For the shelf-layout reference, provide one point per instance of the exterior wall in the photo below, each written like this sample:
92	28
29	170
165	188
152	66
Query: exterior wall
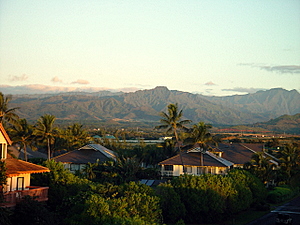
12	182
74	167
193	170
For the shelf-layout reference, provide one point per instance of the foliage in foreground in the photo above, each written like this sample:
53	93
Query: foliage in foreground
209	198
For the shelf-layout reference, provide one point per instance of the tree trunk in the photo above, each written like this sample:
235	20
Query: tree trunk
49	150
25	152
180	153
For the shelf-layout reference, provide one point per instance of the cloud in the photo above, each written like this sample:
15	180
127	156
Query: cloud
45	89
282	69
23	77
79	81
244	90
210	83
293	69
56	80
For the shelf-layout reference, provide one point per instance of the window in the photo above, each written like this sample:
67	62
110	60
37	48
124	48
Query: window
2	150
188	169
74	167
20	183
168	167
200	170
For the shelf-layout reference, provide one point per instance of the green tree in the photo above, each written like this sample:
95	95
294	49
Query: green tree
201	136
262	167
172	122
3	178
45	131
23	134
290	159
7	114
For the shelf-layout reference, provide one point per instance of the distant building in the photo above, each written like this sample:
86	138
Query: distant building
216	161
91	153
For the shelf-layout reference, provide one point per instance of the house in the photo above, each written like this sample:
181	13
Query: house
216	161
18	176
196	162
91	153
241	153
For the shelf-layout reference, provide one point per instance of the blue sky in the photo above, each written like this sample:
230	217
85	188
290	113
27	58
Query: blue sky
212	47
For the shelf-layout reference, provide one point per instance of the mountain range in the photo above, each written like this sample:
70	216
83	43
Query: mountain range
145	105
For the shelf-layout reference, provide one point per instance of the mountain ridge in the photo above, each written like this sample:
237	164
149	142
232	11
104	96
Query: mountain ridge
145	105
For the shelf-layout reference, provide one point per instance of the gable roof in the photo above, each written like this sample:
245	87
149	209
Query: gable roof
239	153
90	153
5	135
15	167
97	147
193	159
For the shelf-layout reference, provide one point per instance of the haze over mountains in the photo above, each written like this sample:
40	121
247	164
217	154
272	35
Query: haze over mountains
145	105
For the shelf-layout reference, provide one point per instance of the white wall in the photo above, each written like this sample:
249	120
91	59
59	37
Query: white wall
12	182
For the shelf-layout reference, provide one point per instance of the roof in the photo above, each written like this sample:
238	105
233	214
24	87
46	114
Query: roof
97	147
5	135
87	154
193	159
16	167
30	153
239	153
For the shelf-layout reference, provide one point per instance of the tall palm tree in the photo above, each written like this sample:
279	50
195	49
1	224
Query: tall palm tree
46	131
289	159
77	135
172	122
200	135
23	134
7	114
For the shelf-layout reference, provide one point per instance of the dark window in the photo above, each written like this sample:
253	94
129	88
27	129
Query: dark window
74	167
20	183
188	169
168	167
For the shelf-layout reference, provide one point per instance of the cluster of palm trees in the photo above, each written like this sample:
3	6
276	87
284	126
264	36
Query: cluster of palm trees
199	133
43	133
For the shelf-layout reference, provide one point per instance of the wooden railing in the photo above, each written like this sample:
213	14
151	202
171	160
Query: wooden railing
12	198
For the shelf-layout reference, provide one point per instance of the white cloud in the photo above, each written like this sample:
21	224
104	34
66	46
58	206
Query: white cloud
79	81
56	80
210	83
23	77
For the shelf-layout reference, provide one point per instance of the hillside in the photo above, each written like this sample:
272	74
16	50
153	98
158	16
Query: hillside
145	105
283	124
269	104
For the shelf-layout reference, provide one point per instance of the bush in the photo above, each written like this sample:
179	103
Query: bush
279	194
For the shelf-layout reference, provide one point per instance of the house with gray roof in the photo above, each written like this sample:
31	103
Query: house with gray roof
91	153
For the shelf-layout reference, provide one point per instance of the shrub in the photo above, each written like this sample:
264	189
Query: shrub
279	194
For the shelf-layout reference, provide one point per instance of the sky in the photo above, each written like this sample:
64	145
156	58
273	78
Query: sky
210	47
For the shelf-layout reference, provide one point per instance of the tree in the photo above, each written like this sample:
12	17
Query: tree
7	114
45	131
201	136
289	159
23	133
171	121
3	178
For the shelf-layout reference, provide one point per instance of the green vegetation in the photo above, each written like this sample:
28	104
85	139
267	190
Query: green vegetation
109	192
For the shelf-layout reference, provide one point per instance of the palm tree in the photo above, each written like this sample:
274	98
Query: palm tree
23	133
200	135
290	159
7	114
45	131
77	135
172	122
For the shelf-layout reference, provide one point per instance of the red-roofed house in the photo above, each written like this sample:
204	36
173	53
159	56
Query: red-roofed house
18	176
